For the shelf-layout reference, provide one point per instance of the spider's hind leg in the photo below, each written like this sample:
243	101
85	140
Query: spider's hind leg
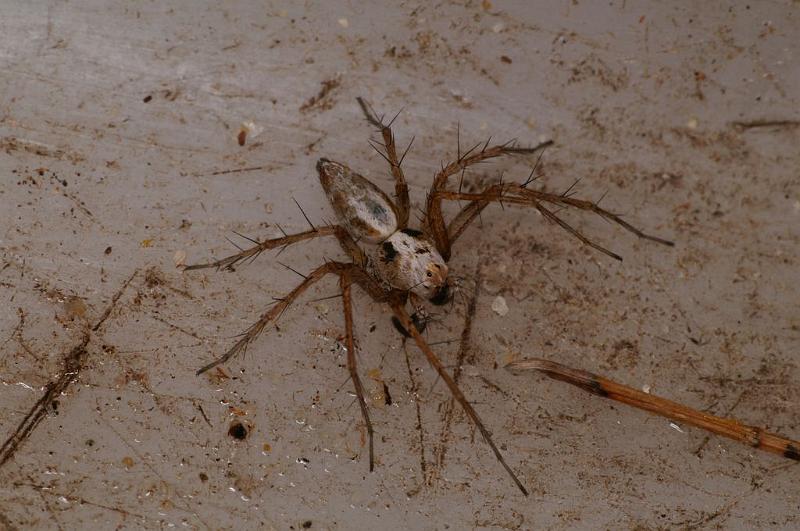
345	282
519	194
390	155
434	217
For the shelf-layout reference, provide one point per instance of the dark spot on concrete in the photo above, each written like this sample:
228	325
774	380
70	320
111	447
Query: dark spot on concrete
108	250
389	252
386	396
203	477
412	232
148	99
237	430
792	452
307	524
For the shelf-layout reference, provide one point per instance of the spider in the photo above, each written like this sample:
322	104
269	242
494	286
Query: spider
408	266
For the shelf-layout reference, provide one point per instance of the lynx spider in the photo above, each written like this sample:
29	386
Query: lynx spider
405	265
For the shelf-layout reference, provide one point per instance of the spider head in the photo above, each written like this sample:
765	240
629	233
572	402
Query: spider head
408	260
434	285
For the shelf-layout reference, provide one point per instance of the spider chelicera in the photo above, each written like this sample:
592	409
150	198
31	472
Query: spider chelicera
408	266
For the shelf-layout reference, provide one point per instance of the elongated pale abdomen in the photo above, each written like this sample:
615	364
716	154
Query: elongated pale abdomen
365	211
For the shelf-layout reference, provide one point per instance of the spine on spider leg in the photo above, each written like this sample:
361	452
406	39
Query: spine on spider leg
598	385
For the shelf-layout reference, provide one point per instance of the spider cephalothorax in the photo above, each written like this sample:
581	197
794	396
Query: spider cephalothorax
403	258
404	265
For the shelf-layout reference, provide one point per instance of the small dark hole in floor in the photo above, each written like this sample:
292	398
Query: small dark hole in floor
238	431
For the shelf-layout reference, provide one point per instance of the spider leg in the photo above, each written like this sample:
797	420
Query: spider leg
230	262
436	363
518	194
275	311
390	155
345	282
462	220
598	385
434	218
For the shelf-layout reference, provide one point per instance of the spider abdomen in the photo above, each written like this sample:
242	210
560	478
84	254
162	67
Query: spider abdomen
362	208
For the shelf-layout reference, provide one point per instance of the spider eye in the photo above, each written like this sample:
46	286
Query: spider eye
430	274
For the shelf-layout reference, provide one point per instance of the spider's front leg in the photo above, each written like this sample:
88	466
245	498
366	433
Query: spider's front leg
519	194
420	318
436	363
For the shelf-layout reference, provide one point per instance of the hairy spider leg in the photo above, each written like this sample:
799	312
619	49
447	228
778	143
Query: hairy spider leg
434	218
601	386
230	262
513	193
347	305
347	273
436	363
275	311
390	155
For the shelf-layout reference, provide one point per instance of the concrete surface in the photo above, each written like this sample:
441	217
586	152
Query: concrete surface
120	128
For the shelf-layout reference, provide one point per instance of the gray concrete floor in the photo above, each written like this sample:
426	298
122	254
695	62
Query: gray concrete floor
120	127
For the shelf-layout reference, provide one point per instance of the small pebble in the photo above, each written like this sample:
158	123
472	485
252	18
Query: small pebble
499	306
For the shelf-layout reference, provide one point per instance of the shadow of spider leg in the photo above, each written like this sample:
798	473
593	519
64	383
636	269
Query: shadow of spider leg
598	385
436	363
510	193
